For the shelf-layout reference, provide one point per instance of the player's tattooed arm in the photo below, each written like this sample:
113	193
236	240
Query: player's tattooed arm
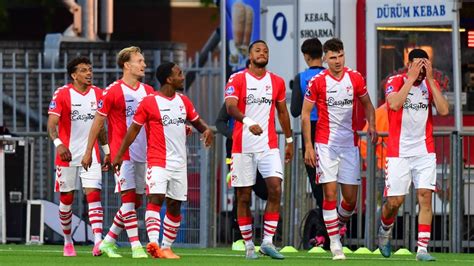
61	149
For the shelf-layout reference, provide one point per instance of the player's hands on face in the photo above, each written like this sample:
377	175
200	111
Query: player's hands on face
428	68
256	129
117	163
64	153
310	157
372	134
86	160
414	69
288	152
207	137
106	163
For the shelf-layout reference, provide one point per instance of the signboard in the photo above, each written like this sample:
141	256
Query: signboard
279	31
315	19
242	28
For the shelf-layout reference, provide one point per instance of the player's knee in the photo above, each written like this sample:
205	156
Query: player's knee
66	198
93	196
394	203
243	199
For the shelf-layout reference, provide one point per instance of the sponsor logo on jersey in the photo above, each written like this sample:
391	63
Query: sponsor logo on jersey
340	103
167	120
100	104
77	116
252	100
52	105
308	93
252	89
230	90
389	89
415	106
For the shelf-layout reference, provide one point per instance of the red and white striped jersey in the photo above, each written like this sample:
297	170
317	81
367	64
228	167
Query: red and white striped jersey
336	102
164	119
76	111
256	99
119	103
411	127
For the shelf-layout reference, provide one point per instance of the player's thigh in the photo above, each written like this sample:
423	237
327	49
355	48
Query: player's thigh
398	177
125	178
424	171
140	173
92	178
269	164
157	179
178	186
349	166
327	164
243	170
66	178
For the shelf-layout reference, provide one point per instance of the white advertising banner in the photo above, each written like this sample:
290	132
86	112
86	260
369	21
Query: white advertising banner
315	19
279	31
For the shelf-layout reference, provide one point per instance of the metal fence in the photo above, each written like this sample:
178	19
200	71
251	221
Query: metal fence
26	87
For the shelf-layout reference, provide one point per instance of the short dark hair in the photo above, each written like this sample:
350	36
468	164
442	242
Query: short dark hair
255	42
312	47
73	63
334	45
163	71
417	53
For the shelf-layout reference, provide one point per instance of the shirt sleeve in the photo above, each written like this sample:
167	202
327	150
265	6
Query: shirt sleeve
191	113
141	115
55	106
393	84
234	86
361	87
281	90
311	90
106	102
296	97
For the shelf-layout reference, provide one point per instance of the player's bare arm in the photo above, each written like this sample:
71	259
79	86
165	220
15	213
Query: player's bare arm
96	127
396	100
309	155
370	116
131	135
61	149
105	149
207	134
440	102
233	110
284	119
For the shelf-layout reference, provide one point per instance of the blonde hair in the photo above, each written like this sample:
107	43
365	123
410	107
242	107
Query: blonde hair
125	54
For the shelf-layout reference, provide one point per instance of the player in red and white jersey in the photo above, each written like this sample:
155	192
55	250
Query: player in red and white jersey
72	110
251	97
118	105
164	115
410	148
336	155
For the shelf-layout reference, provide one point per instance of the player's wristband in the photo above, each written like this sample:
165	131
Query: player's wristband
106	149
289	140
57	142
248	122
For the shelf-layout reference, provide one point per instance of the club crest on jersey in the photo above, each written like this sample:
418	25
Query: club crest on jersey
230	90
349	90
52	105
93	104
181	108
268	89
389	90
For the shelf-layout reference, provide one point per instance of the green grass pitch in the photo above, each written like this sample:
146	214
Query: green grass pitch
52	255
